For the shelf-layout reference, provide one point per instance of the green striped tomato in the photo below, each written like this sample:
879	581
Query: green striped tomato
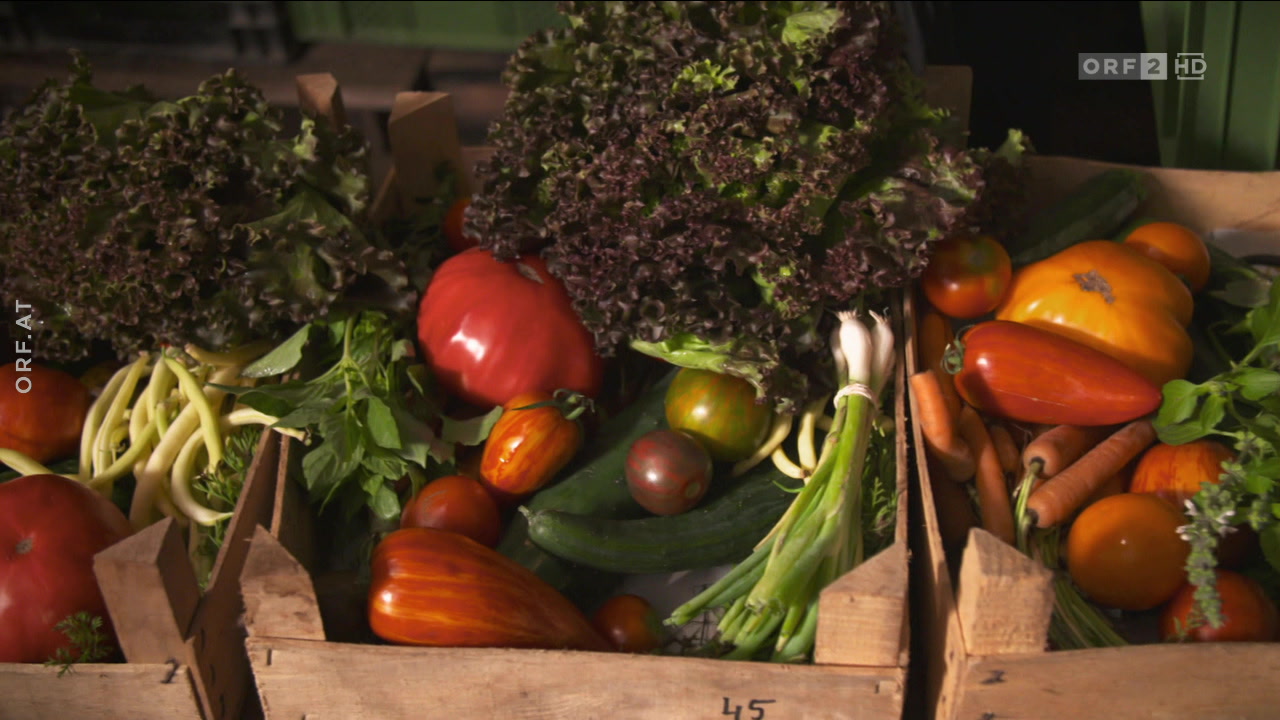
718	410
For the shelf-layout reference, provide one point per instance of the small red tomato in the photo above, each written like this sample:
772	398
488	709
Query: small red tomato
532	441
455	223
42	411
668	472
458	504
1248	614
630	624
967	275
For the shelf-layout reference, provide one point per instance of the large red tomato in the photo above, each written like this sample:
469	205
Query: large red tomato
50	529
42	411
491	330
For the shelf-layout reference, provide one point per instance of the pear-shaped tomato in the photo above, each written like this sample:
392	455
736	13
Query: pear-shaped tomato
438	588
1110	297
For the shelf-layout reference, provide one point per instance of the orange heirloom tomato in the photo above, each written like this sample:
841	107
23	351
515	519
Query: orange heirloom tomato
1178	248
1111	297
1176	472
532	442
1124	551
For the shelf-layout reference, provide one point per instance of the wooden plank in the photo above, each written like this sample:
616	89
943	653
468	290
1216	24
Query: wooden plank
423	131
216	640
279	598
861	615
950	87
151	593
318	681
319	95
1205	200
292	519
137	691
1209	681
994	574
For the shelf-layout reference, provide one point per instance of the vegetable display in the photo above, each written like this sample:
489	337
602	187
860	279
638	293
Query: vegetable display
729	175
1134	461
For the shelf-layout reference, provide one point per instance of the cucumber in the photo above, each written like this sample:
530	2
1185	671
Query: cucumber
1093	211
595	484
724	530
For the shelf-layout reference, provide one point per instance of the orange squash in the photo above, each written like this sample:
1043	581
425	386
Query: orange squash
441	589
1109	296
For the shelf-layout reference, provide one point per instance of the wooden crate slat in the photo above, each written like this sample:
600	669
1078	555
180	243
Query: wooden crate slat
137	691
299	678
151	593
1186	682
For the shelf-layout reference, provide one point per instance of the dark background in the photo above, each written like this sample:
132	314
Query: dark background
1023	56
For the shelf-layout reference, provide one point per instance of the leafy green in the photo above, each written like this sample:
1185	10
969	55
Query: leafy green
364	437
220	490
1239	406
197	220
88	642
708	179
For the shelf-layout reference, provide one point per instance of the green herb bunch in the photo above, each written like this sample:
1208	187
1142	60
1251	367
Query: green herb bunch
1239	404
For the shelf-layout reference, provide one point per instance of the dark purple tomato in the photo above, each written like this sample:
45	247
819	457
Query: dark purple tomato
720	411
668	472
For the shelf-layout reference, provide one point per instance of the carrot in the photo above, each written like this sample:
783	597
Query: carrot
1066	492
1050	452
1007	449
994	504
935	336
938	427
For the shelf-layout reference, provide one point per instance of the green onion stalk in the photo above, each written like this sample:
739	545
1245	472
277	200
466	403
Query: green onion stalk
772	595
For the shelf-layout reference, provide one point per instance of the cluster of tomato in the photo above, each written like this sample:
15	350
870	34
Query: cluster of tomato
505	333
1131	300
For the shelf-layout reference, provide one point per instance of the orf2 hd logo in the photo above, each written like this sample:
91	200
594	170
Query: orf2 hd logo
1139	66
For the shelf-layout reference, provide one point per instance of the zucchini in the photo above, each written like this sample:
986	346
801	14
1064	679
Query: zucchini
595	484
722	531
1094	210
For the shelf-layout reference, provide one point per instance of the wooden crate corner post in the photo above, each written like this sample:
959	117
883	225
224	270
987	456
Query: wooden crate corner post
151	593
1004	599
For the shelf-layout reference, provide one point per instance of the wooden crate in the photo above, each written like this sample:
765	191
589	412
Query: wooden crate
184	650
862	648
986	621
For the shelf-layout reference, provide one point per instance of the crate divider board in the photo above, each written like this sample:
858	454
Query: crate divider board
985	622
